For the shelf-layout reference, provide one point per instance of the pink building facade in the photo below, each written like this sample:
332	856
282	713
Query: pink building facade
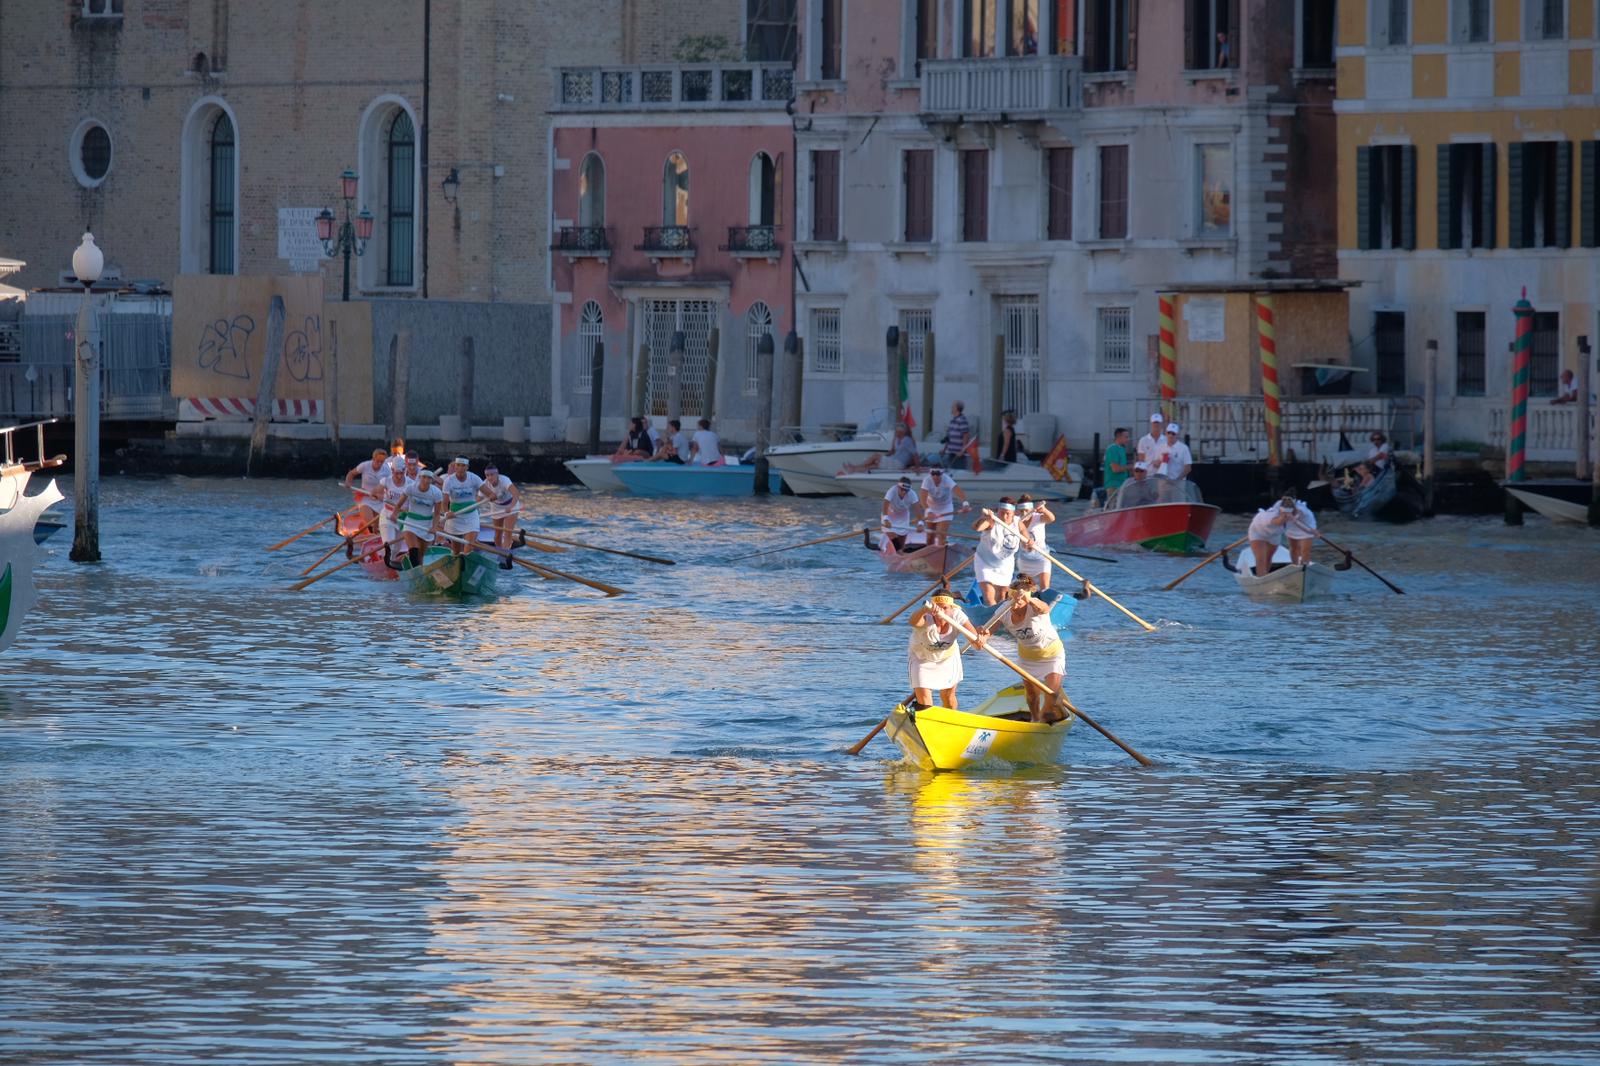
671	192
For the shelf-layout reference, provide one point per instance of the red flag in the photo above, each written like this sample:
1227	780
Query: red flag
972	453
1056	461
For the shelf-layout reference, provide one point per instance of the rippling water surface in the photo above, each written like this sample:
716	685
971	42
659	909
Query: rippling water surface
246	825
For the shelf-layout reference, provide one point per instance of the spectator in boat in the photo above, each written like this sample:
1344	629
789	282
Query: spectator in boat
680	439
955	438
371	472
902	454
1114	468
900	504
668	452
1031	519
1269	527
1139	491
939	495
1005	448
1379	456
1039	649
935	652
705	448
1151	442
1567	390
637	444
1000	538
1175	464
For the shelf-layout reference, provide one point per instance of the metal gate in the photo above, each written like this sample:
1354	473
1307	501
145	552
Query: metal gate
662	318
1020	315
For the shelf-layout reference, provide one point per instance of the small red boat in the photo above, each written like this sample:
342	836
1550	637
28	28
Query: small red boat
1178	528
365	543
919	558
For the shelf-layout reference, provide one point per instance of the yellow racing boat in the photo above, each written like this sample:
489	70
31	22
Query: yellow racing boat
937	738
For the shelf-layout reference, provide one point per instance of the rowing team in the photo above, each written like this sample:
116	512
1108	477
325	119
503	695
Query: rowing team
416	506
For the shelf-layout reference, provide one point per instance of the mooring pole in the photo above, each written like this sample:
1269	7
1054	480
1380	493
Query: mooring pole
597	380
86	434
267	394
763	411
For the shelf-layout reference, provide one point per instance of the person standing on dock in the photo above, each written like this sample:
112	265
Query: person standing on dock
460	489
370	471
939	495
1269	526
1040	651
421	511
998	543
899	503
1031	519
935	653
500	504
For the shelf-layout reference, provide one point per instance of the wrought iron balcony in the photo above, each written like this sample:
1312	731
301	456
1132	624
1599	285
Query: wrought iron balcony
667	240
582	240
689	86
1016	86
753	240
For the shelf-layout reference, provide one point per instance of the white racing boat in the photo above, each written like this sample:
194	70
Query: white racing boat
1286	581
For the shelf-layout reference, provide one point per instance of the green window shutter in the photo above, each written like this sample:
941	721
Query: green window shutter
1449	233
1408	197
1488	216
1517	209
1589	226
1564	195
1364	198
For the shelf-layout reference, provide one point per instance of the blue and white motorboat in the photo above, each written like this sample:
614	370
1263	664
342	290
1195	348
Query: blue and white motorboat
688	479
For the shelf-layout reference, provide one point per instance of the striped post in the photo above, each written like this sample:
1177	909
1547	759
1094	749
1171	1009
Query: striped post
1169	358
1269	376
1521	378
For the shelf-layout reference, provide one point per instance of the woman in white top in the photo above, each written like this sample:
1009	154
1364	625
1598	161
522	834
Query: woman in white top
1267	529
939	495
1039	647
999	541
935	653
497	497
1031	519
898	504
371	472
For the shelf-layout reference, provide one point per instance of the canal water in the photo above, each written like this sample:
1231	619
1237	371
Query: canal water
240	824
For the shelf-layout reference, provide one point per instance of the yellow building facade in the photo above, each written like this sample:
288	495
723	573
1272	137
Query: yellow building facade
1468	134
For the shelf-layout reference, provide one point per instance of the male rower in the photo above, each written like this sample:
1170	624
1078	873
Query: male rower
422	509
460	487
370	471
392	494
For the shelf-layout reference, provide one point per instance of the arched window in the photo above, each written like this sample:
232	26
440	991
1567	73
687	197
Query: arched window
222	209
757	324
675	191
763	191
592	192
400	221
591	327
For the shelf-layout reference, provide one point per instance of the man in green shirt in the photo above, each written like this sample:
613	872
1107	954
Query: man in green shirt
1114	469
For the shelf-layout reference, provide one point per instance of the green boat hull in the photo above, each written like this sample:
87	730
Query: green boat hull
1184	543
474	575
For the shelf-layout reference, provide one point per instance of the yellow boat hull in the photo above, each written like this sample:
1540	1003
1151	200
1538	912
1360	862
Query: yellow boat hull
937	738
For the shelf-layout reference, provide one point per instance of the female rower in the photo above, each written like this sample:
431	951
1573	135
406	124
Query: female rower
935	653
1268	527
1039	647
1031	519
939	495
421	511
501	506
998	543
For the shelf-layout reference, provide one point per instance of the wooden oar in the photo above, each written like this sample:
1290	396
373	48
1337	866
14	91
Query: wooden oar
542	571
1348	554
803	544
1070	555
1054	694
1210	558
925	593
297	586
1148	628
598	548
302	533
349	538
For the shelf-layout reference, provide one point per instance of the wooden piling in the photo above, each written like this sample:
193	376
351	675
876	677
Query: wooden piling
267	393
332	387
597	383
794	372
891	371
708	405
86	434
675	376
641	382
1430	423
764	359
399	382
997	387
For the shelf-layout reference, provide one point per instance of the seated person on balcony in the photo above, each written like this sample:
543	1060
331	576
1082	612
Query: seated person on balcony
1138	491
902	455
1567	391
637	444
1005	449
706	448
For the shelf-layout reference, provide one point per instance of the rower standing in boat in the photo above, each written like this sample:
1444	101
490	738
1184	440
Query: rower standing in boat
500	505
1031	519
1039	648
397	454
939	495
898	504
392	496
370	471
421	511
1268	527
998	543
935	653
461	492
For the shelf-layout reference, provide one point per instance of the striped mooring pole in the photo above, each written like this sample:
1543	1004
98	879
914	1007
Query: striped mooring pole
1521	380
1169	358
1269	377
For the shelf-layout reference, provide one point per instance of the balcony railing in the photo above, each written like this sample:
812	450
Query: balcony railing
667	240
582	240
1230	428
1026	85
753	240
694	86
1554	432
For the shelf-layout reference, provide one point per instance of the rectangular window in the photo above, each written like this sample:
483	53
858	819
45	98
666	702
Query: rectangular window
1214	190
1589	195
1470	353
927	29
916	323
1546	365
825	358
770	31
1466	195
975	195
223	161
1469	21
1545	20
918	167
1209	32
1317	34
1105	35
1058	183
102	8
831	62
1540	183
1389	334
1386	200
1022	27
1113	340
825	195
1114	192
978	27
1391	23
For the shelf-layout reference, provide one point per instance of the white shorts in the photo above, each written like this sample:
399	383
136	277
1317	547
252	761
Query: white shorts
938	516
936	676
1300	533
421	528
388	528
460	527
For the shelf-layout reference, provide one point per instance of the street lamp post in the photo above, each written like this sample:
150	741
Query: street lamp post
87	263
347	237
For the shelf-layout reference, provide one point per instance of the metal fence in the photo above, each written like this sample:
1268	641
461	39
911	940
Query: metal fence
135	365
1233	428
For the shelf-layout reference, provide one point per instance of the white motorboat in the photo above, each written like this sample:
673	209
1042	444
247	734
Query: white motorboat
1286	581
597	472
808	467
982	490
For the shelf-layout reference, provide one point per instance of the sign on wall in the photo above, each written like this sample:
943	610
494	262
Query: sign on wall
297	239
1205	319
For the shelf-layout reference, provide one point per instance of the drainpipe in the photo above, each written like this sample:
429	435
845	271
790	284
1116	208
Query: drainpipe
427	85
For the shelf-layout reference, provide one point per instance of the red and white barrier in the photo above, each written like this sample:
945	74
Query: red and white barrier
241	409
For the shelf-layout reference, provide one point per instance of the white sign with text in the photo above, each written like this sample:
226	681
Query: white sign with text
297	239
